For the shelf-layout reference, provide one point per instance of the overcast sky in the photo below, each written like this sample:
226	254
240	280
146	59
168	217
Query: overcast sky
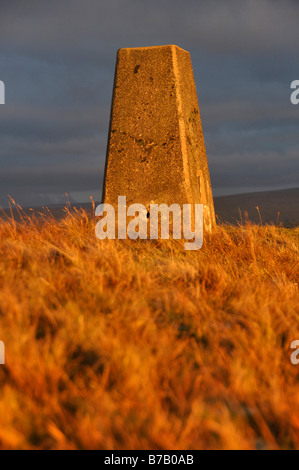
57	62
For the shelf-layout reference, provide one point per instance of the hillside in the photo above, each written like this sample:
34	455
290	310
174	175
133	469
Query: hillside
234	209
270	203
142	345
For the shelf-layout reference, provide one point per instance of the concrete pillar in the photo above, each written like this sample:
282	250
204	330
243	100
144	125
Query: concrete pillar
156	151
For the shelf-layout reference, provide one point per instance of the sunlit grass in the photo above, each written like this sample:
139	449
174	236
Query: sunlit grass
141	344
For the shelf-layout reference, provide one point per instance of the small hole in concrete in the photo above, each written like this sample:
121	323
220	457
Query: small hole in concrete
199	186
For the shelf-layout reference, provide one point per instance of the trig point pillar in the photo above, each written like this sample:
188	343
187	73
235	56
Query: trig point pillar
156	152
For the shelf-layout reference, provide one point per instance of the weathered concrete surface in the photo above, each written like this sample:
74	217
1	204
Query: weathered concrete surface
156	152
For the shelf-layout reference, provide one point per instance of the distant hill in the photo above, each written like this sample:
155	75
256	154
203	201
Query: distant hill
286	202
232	209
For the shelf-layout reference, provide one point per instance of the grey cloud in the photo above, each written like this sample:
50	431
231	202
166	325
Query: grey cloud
58	61
50	184
233	26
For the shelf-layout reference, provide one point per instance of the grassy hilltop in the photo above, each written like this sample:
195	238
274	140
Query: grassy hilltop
141	344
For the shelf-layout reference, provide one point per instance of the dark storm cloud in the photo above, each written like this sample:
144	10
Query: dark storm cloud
78	26
57	61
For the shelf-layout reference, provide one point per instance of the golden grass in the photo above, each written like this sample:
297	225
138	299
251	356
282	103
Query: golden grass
143	345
